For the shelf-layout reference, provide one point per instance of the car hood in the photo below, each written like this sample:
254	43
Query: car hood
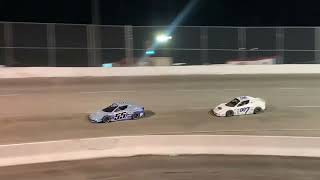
222	108
98	115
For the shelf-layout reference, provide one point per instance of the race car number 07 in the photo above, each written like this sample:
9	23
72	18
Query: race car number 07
246	109
120	115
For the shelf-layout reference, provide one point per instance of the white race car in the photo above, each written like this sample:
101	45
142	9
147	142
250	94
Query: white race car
240	106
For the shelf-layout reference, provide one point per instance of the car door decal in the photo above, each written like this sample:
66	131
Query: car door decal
120	116
244	110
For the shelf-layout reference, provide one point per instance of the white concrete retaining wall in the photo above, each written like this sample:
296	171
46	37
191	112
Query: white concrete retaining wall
26	153
23	72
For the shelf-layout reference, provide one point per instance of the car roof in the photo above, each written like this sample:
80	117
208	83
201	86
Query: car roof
244	98
122	103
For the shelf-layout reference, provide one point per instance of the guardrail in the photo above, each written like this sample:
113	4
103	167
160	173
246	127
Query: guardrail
31	72
124	146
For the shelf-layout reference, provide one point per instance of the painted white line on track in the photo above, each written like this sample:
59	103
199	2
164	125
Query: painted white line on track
304	106
8	95
233	131
193	90
203	90
97	92
291	88
231	89
196	108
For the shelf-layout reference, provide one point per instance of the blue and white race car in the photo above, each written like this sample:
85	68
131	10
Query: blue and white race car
117	112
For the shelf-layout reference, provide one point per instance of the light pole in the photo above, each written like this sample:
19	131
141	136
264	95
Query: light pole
95	12
95	57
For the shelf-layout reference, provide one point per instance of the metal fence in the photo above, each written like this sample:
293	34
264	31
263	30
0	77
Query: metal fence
37	44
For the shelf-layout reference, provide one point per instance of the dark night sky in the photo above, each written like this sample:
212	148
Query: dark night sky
162	12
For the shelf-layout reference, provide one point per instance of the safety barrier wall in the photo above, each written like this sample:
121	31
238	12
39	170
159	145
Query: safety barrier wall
28	72
124	146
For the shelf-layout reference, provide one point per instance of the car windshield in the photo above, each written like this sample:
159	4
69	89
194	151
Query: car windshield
233	103
110	108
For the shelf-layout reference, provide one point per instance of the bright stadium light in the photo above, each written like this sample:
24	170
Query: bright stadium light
162	38
150	52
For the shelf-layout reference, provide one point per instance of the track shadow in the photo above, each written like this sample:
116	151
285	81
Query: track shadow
211	113
149	113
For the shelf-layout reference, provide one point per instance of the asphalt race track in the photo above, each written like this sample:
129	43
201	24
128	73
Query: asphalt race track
171	167
41	109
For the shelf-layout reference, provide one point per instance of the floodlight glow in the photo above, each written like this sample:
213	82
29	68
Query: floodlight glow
177	21
163	38
107	65
150	52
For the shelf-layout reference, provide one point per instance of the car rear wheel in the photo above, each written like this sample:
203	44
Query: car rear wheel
106	119
229	113
257	110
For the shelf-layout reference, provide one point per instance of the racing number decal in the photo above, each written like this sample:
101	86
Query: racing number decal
245	110
120	116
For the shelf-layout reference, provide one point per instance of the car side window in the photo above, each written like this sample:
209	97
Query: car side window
117	110
123	108
243	103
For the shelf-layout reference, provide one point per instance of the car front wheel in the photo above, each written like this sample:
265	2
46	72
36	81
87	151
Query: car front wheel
229	113
106	119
